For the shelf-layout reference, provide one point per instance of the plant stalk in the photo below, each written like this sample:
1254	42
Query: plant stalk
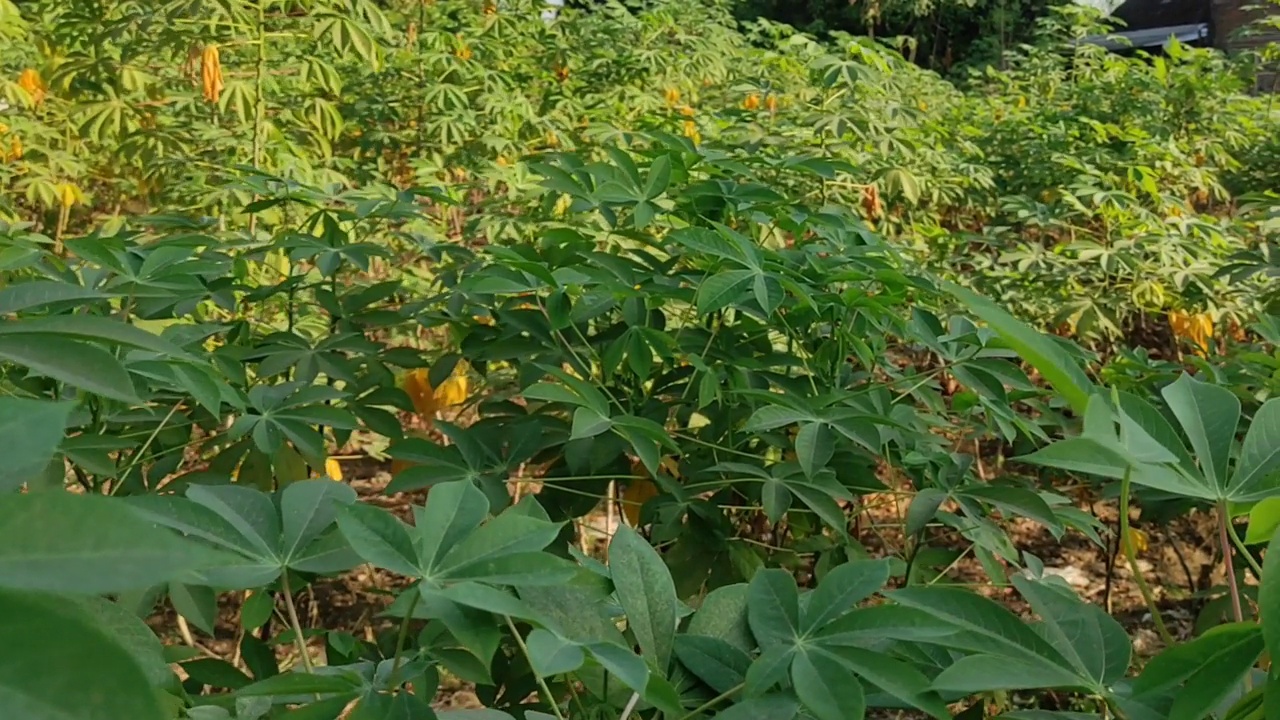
712	702
403	637
542	683
259	101
1227	560
293	621
1131	555
1244	550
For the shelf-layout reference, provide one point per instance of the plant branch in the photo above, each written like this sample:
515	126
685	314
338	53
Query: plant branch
1244	550
713	701
1131	556
403	636
293	621
1232	585
542	683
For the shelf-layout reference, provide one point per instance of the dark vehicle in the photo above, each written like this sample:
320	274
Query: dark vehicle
1149	24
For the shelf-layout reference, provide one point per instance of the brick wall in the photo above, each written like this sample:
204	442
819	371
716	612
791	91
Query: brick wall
1229	16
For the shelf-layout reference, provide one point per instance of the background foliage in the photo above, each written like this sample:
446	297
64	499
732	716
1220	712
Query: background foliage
750	288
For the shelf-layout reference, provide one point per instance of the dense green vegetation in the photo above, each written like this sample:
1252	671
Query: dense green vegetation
745	289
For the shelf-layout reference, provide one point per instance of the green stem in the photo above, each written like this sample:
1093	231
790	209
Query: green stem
1244	551
713	701
259	94
259	101
293	621
1131	556
1232	585
142	451
403	637
542	683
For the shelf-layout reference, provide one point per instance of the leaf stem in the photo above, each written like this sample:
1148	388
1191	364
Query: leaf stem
293	621
542	683
1130	554
403	637
707	705
1227	560
1244	550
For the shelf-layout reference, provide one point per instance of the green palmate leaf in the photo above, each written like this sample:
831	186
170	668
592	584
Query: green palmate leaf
32	430
485	597
1269	597
63	664
827	689
1257	474
894	622
132	633
893	676
841	588
1205	691
1207	669
507	534
647	595
1149	435
982	673
550	654
770	417
1096	645
308	509
815	444
769	707
769	669
574	612
196	603
38	293
721	290
1264	518
773	608
1043	353
454	510
91	327
216	673
659	177
299	683
1081	455
587	423
77	543
1209	415
723	615
82	365
983	625
379	538
249	511
713	661
923	509
1017	501
520	568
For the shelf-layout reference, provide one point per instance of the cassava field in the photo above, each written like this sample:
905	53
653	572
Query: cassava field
426	359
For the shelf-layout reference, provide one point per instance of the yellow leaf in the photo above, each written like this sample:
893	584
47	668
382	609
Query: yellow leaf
1198	329
211	84
31	81
427	401
68	194
452	391
333	469
418	387
635	495
1139	540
